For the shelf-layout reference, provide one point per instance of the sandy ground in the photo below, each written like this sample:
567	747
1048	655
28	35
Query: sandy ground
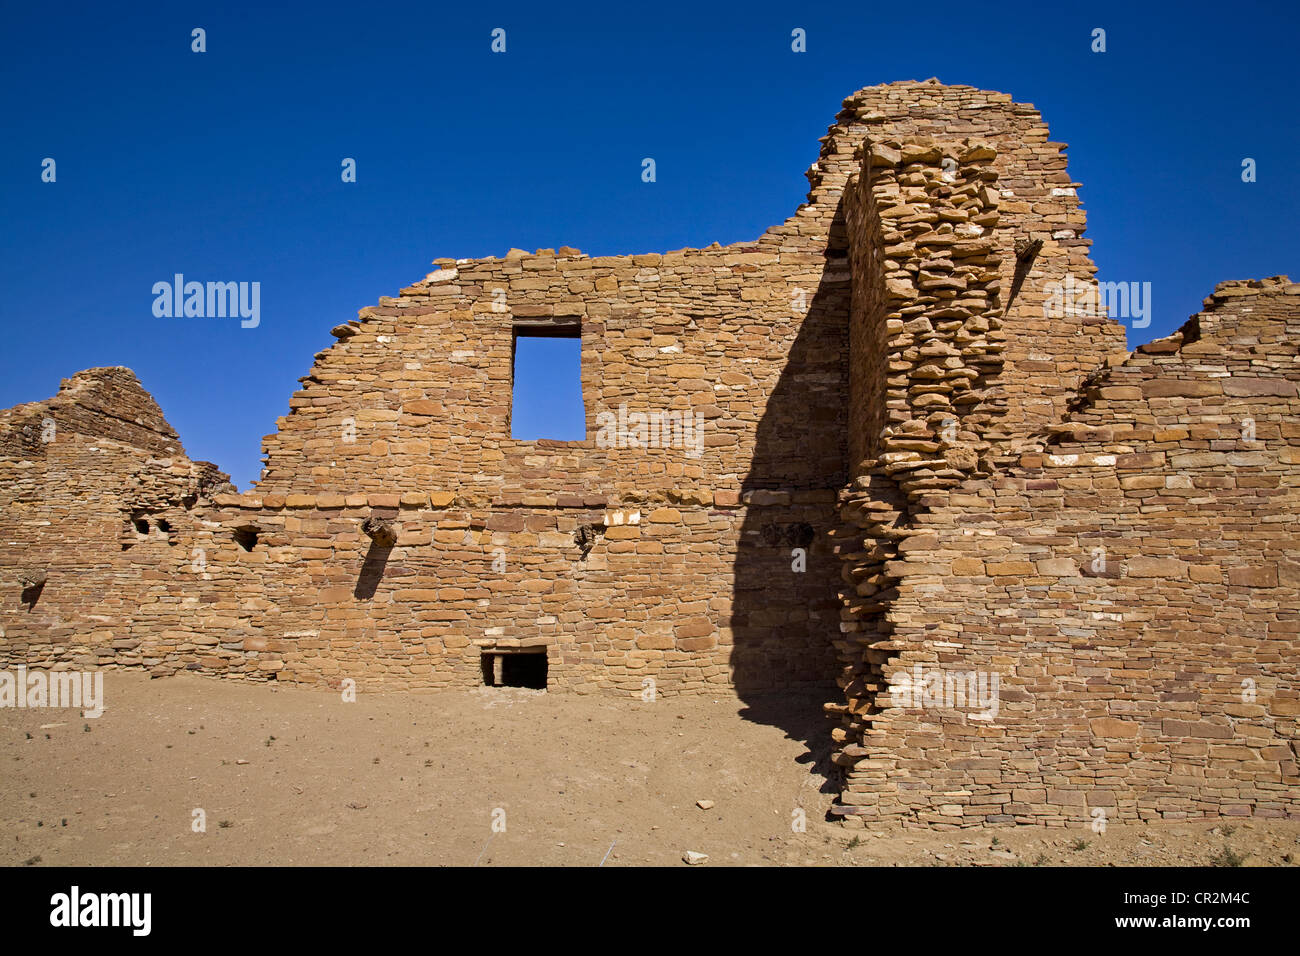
291	776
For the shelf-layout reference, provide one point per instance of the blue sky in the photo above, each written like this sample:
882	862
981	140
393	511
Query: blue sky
225	165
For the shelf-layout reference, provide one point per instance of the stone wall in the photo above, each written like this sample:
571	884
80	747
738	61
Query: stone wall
1134	584
152	560
898	457
96	499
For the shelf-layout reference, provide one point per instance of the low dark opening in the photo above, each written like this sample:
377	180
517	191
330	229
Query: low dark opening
141	525
246	538
524	670
164	525
516	670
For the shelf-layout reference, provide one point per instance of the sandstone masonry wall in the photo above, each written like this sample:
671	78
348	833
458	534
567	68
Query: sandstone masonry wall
905	461
95	491
1135	584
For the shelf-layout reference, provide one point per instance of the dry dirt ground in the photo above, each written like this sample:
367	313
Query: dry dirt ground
290	776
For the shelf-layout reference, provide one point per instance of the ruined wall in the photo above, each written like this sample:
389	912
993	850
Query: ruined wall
904	460
687	578
146	561
1134	583
94	489
408	415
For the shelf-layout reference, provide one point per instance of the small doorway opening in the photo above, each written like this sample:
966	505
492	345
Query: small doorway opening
522	667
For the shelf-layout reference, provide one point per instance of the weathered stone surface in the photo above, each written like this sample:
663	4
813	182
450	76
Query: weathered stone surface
1174	493
862	447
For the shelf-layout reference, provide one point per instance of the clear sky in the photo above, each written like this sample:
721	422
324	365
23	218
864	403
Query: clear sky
225	165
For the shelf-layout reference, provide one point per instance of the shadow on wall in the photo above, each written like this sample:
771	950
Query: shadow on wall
784	619
372	571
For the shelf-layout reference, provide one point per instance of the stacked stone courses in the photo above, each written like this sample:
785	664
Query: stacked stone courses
978	484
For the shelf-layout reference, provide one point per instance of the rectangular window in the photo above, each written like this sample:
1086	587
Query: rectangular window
546	382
